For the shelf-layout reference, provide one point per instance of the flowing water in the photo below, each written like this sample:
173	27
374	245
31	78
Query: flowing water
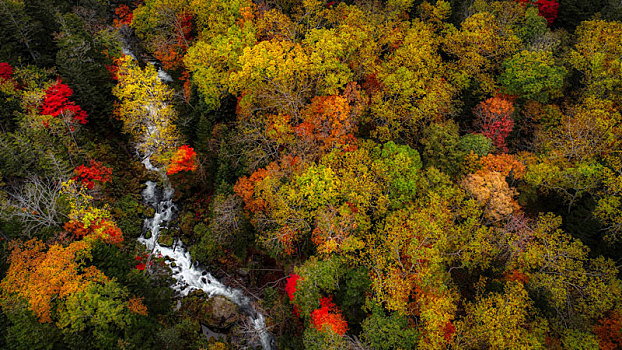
188	275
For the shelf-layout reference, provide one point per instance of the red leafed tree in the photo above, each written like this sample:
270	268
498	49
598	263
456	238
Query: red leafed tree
290	285
546	8
124	16
328	316
609	332
6	71
290	289
494	119
449	331
185	159
57	103
94	172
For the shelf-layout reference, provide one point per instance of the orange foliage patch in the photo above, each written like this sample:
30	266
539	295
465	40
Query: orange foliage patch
245	188
135	304
41	276
185	159
502	163
609	332
449	331
124	16
286	238
251	188
328	121
516	275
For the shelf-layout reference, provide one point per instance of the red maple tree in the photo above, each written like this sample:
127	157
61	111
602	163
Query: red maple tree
56	103
494	119
290	285
329	317
6	71
184	159
124	16
96	171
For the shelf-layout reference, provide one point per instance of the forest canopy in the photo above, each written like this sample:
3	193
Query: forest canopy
365	174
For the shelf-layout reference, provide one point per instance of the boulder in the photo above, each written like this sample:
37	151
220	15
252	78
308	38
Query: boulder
217	313
221	313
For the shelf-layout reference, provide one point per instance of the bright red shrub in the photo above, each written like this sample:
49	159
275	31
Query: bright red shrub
94	172
6	71
57	102
185	159
548	9
290	285
328	316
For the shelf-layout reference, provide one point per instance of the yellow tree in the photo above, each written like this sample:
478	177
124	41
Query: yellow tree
145	110
225	28
414	90
598	55
560	272
274	75
502	321
481	44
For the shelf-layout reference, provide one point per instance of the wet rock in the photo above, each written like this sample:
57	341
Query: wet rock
149	212
218	313
221	313
165	238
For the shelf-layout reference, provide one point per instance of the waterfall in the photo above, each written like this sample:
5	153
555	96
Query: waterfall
188	275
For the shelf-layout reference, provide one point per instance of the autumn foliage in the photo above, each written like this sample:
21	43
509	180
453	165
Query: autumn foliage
41	275
504	163
135	304
56	103
101	229
329	317
491	190
494	120
6	71
328	122
95	172
290	286
546	8
609	332
171	52
124	16
184	159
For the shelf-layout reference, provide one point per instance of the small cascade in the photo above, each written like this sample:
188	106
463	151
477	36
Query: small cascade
188	275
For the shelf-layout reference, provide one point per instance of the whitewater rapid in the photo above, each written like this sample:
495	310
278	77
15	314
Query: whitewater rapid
188	275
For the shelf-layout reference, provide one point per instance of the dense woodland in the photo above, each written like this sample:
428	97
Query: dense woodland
373	174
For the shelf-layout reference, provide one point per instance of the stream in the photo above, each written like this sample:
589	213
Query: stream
188	275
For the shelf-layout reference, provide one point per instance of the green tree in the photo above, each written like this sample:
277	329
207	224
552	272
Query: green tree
533	75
